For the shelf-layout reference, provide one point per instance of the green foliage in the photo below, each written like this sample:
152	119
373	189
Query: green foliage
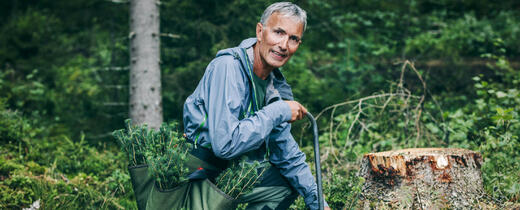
17	188
57	171
239	178
164	150
7	167
497	124
488	125
118	183
23	182
342	190
73	157
22	190
14	129
166	155
134	141
50	60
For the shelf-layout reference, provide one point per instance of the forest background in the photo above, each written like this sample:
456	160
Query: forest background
380	75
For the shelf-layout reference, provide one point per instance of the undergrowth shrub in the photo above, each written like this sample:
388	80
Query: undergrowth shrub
73	157
24	182
342	189
22	190
497	128
59	172
7	167
490	125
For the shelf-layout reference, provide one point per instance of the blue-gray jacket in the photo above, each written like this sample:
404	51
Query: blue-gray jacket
218	115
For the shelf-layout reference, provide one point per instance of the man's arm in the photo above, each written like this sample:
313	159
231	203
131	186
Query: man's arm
229	136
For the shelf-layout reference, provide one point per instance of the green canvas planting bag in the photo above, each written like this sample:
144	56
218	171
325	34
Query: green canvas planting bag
194	195
142	183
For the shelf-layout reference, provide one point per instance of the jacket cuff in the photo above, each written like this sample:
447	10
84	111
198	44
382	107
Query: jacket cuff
312	201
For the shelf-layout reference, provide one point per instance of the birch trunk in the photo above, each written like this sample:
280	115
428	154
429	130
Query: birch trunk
145	75
425	178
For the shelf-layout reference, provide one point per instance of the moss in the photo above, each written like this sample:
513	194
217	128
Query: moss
35	168
7	166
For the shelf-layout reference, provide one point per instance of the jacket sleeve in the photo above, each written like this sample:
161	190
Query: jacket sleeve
223	96
290	160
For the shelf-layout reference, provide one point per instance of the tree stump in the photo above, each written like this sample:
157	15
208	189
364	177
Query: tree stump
422	178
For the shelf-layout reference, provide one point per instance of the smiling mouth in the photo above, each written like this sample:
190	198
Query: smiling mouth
279	55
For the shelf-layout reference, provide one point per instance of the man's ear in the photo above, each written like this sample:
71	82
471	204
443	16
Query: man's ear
259	30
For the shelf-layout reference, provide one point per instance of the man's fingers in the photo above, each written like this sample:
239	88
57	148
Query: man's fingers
303	111
298	110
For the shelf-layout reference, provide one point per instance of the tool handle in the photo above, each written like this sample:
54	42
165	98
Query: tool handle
317	160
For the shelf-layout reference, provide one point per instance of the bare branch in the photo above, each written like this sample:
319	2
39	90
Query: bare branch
363	99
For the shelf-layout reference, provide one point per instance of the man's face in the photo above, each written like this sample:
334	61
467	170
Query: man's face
278	39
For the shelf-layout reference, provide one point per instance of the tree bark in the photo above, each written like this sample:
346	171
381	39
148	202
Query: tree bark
422	178
145	75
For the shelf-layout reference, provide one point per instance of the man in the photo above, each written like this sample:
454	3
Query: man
243	107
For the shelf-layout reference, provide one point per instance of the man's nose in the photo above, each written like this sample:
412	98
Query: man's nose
284	43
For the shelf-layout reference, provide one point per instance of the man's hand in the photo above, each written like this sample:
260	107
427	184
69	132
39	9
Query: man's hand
297	111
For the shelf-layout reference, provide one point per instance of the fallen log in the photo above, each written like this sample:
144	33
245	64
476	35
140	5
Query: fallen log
422	178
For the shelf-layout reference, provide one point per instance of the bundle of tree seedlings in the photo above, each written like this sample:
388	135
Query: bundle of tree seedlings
164	151
167	156
133	141
239	179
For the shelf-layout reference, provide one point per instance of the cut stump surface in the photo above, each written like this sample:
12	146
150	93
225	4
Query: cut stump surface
422	178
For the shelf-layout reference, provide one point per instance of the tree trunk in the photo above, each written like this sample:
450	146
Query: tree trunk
145	75
422	178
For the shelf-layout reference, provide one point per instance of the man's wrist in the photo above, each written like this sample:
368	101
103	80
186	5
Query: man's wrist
282	111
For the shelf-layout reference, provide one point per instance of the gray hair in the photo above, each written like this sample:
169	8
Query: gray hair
286	9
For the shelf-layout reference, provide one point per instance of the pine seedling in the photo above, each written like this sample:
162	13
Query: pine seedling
240	178
133	142
167	153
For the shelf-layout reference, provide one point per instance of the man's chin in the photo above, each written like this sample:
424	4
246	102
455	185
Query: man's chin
277	64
